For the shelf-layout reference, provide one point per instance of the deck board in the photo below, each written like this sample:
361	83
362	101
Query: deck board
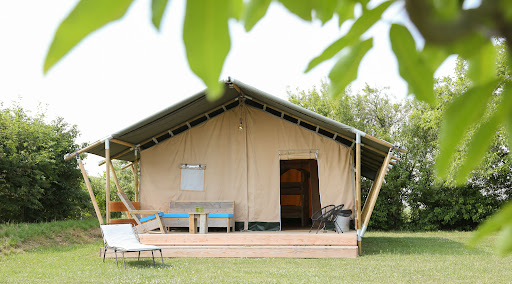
282	244
285	238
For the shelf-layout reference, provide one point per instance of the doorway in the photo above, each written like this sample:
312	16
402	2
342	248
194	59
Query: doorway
299	192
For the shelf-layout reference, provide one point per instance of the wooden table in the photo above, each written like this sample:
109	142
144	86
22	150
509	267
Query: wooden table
192	222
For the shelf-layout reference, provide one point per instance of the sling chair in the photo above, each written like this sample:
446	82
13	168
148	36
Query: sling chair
145	224
122	237
326	214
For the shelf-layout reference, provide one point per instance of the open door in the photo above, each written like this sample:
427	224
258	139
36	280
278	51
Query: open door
299	192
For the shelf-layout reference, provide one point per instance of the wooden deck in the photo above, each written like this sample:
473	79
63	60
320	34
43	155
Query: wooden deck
283	244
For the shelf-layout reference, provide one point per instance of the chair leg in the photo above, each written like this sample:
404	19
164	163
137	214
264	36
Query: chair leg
124	262
104	253
153	255
162	256
312	226
115	251
138	257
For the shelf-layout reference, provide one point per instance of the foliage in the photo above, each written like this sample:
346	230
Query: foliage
431	204
447	27
36	184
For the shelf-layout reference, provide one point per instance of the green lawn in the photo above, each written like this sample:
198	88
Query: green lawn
388	257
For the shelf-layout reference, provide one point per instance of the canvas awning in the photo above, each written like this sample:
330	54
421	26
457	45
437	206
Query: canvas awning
198	109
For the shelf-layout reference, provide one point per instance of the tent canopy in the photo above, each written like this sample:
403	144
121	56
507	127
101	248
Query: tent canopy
198	109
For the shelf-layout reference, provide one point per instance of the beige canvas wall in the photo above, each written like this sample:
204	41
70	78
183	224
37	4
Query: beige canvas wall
242	165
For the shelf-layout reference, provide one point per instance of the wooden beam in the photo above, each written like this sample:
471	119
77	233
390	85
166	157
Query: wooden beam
114	175
127	165
70	156
135	172
374	193
122	142
377	140
107	178
89	188
358	189
115	156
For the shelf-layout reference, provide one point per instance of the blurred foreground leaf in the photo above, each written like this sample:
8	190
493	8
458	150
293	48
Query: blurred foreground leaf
345	70
462	113
86	17
360	26
207	41
499	222
157	11
413	69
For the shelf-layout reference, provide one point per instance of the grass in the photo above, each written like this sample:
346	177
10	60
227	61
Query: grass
17	238
388	257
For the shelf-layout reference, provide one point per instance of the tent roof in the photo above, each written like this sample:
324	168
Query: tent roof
198	109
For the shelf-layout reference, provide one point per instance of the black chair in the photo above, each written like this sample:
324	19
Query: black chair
334	214
326	214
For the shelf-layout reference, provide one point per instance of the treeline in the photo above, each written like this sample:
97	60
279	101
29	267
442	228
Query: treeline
36	184
411	197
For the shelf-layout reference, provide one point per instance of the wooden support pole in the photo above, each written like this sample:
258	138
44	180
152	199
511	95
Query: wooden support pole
117	141
107	177
89	188
358	189
135	171
70	156
374	193
114	175
127	166
115	156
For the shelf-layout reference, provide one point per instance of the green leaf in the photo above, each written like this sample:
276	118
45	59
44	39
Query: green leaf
157	11
360	26
324	10
207	41
506	8
86	17
254	11
494	224
419	75
504	245
345	10
345	69
468	45
478	146
447	9
483	137
433	56
463	112
237	8
302	8
482	65
507	112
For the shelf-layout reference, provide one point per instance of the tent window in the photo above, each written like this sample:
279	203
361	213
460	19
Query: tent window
192	177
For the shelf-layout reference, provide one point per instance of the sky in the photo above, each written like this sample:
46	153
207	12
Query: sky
128	70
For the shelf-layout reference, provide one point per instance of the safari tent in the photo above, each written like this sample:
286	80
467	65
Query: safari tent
277	161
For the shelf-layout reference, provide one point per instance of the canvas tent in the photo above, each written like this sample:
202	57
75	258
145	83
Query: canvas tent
232	148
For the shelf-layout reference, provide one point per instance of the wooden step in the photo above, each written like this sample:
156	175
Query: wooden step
251	239
250	252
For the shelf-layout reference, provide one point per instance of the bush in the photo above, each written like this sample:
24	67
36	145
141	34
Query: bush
36	184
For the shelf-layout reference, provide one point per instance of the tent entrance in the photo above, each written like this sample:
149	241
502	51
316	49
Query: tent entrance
299	192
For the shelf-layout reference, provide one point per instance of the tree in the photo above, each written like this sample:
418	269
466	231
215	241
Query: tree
447	27
36	184
373	112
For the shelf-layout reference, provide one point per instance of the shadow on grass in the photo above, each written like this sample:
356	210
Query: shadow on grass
416	245
143	263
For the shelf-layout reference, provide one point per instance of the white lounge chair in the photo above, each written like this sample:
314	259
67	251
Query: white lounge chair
122	237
